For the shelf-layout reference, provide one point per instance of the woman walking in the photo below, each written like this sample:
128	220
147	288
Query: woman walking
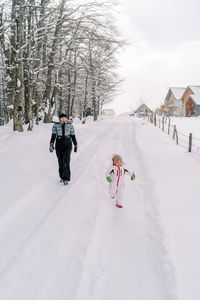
64	134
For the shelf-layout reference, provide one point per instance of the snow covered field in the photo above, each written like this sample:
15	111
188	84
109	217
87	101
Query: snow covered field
185	126
71	243
188	125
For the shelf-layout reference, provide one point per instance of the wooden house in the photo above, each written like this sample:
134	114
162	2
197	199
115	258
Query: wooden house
143	110
173	101
108	112
163	109
191	101
160	110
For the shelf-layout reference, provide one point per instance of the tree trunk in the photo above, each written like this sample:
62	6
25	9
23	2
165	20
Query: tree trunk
94	99
47	94
85	98
28	74
68	93
74	87
19	98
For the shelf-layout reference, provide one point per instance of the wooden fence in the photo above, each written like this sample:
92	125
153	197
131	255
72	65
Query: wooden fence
182	139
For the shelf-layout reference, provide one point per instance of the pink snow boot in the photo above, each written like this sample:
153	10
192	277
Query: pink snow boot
119	205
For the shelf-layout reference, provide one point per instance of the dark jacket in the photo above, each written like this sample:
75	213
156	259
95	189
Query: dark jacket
63	133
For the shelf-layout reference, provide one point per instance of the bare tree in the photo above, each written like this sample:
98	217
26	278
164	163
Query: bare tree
57	57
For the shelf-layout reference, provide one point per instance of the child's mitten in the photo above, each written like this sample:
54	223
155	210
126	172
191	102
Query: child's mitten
108	179
133	176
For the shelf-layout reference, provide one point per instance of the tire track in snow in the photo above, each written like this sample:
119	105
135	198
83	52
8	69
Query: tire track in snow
134	283
88	248
141	272
163	269
94	268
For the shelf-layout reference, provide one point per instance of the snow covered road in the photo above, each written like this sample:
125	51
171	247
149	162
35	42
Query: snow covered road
72	243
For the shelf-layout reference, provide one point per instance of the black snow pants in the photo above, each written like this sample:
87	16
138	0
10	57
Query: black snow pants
63	152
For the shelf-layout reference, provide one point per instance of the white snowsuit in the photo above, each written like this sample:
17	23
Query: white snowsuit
116	186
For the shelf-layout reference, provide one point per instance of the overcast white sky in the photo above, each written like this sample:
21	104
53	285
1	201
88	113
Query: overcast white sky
164	49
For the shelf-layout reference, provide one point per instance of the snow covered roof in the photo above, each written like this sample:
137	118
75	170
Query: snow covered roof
196	98
196	93
142	108
178	92
195	89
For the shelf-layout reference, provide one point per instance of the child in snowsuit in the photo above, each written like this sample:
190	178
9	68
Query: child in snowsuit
115	177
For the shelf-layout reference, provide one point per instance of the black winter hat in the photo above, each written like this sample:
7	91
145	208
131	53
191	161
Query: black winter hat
62	114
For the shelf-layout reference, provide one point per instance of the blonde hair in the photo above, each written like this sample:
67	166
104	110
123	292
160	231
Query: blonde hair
116	158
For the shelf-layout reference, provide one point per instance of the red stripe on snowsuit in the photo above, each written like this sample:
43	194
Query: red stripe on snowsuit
118	174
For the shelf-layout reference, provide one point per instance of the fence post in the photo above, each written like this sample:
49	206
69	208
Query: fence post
176	136
155	119
169	127
174	132
163	123
190	143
